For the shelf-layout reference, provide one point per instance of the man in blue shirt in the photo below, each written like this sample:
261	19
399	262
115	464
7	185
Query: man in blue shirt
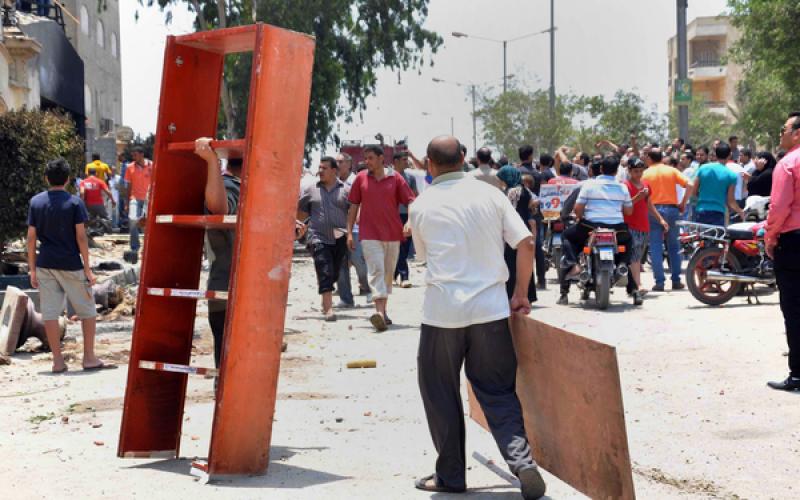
61	269
715	186
602	202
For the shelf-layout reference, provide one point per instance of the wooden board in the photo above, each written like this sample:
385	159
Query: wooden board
571	398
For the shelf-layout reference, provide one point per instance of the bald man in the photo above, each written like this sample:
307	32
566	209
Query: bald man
459	225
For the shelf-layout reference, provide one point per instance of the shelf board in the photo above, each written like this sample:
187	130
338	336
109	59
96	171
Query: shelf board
222	41
204	221
224	149
187	294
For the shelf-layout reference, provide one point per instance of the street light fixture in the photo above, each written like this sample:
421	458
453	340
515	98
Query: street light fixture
458	34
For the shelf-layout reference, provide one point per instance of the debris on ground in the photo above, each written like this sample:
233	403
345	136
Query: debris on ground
364	363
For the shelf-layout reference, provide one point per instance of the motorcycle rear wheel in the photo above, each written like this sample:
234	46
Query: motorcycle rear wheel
602	292
712	293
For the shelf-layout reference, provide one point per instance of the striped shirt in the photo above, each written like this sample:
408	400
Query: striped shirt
328	211
604	199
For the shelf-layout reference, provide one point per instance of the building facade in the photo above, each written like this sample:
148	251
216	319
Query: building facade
713	79
19	70
95	35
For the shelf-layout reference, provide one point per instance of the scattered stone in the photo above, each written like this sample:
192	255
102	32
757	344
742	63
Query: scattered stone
367	413
363	363
99	443
65	419
339	420
96	426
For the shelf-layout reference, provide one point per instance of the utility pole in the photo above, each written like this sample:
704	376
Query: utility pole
683	108
452	126
552	61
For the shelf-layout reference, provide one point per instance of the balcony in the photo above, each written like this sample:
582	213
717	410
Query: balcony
707	68
719	107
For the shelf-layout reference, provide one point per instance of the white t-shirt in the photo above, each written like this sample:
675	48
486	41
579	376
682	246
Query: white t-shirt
459	225
739	171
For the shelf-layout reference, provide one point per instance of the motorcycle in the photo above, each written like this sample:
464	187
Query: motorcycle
600	269
727	259
552	244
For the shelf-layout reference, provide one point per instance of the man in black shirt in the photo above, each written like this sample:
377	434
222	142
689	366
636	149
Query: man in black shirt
533	180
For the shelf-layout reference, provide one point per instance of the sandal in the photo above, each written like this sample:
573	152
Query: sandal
431	483
101	366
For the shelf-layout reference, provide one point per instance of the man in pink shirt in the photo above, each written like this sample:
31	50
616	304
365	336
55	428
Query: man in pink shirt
783	243
378	194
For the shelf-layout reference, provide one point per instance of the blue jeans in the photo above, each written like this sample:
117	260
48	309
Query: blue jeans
356	258
670	214
133	222
710	217
401	269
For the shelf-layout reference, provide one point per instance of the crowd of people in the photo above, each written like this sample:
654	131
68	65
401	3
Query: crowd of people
451	213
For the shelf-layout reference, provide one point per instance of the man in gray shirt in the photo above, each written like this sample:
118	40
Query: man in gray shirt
326	203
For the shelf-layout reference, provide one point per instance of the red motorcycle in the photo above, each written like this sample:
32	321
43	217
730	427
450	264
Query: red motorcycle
727	259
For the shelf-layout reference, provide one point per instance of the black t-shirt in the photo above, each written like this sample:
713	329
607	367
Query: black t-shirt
55	214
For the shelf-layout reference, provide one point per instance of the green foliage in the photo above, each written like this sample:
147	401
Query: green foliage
28	140
704	126
354	39
623	115
519	117
767	50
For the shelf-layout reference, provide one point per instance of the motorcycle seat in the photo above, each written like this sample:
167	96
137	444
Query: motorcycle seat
740	234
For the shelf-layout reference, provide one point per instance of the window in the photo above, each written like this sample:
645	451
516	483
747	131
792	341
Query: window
101	34
84	20
113	42
87	99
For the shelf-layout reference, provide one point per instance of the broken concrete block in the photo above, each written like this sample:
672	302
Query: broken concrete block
12	319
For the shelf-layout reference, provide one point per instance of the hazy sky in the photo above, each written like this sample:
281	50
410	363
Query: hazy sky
601	46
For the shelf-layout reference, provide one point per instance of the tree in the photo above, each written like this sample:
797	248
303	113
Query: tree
28	140
518	117
767	50
354	39
705	126
625	114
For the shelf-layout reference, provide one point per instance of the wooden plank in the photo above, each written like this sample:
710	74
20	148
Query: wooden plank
198	221
571	399
262	261
188	294
173	368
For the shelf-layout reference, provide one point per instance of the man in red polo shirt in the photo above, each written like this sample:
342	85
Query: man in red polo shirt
92	189
377	195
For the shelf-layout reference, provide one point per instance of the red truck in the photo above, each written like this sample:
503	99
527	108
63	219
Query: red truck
355	149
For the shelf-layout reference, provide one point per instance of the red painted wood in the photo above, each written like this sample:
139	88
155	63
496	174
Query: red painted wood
198	221
259	289
224	41
163	329
224	149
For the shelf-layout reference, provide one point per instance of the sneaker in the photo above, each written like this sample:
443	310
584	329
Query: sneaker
405	284
657	288
378	322
343	305
677	285
330	316
386	319
563	300
638	298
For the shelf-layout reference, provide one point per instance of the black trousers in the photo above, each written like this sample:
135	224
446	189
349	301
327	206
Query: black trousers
328	259
401	269
541	269
787	273
510	256
487	352
216	320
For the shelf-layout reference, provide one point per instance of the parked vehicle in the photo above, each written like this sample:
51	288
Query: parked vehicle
600	266
727	259
552	245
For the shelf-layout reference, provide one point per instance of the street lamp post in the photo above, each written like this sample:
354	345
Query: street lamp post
473	91
504	43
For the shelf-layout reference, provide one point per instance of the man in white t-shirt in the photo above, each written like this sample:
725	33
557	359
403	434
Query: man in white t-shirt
742	178
458	223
